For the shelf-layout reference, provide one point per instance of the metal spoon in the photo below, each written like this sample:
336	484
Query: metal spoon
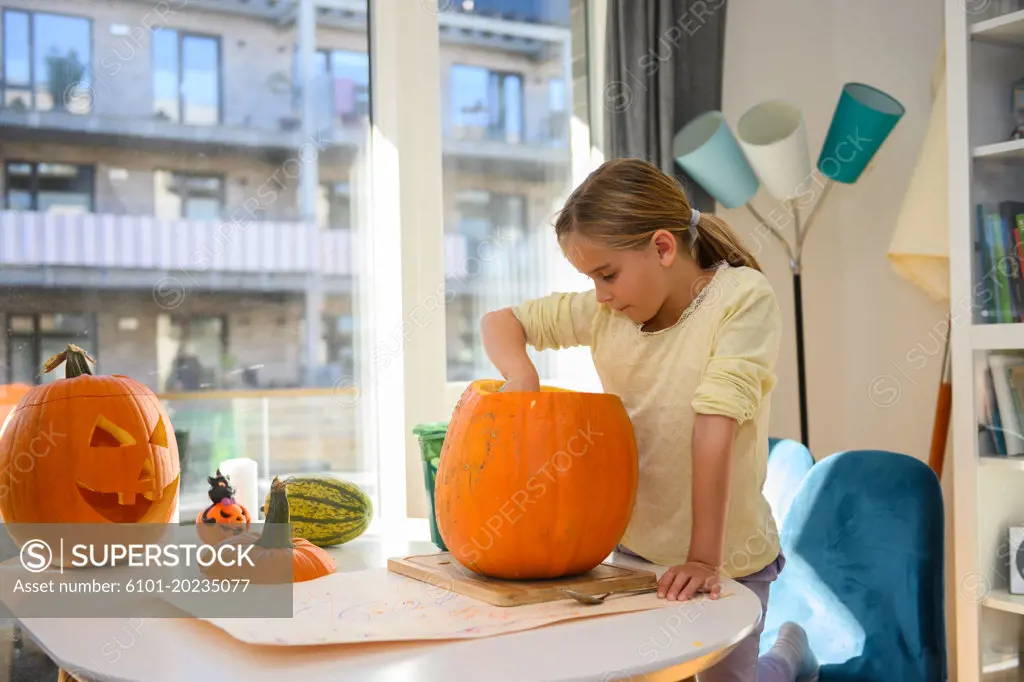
595	599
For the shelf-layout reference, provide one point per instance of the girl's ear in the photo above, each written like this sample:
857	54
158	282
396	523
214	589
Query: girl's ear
666	246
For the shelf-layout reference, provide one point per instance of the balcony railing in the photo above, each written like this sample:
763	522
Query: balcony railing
131	242
142	242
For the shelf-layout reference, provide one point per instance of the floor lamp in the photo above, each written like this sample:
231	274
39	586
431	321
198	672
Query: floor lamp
772	149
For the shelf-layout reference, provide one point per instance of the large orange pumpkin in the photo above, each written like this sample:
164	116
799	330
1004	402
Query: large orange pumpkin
88	449
535	484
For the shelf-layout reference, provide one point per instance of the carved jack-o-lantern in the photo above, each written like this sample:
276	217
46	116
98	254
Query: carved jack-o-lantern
88	449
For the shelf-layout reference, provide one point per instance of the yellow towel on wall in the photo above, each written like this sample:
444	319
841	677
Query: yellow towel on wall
919	249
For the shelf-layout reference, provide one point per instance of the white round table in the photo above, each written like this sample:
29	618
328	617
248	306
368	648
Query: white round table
668	644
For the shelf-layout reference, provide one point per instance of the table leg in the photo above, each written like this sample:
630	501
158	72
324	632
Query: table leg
65	676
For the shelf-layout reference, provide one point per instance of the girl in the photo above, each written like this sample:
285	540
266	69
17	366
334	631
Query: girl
684	328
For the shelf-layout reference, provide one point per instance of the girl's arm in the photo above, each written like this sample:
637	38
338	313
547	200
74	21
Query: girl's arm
712	465
504	341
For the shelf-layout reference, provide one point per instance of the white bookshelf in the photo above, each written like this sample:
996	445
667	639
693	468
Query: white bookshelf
984	57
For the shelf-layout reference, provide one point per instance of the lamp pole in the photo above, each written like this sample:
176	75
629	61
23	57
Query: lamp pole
795	254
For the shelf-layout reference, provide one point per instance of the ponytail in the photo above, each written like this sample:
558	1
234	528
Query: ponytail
716	242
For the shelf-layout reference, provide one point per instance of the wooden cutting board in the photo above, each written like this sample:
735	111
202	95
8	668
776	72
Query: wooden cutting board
443	572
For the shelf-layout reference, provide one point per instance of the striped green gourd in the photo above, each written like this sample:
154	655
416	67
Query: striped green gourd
326	510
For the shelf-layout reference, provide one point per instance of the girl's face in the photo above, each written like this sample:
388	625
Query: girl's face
634	282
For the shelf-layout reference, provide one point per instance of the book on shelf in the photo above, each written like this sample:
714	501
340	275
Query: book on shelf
998	254
1001	404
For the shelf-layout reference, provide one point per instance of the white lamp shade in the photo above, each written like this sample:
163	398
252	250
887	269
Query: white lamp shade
774	139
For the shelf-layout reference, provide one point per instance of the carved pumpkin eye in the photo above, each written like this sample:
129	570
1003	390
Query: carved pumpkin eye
107	434
159	436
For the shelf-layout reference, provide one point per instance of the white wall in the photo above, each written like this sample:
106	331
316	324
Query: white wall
865	327
861	320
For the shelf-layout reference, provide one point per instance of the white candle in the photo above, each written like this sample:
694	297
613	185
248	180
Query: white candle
241	474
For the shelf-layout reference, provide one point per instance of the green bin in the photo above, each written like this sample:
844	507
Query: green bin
431	436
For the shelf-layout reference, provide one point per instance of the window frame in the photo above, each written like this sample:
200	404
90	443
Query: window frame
31	13
502	74
181	35
407	209
37	335
35	181
222	194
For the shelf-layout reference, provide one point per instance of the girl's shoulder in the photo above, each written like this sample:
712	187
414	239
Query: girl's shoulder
738	285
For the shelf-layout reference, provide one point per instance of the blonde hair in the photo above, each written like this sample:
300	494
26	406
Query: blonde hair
625	201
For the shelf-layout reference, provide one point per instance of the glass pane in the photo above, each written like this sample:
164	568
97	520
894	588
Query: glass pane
19	200
65	322
23	368
202	208
61	53
507	100
252	354
165	74
21	323
17	59
200	83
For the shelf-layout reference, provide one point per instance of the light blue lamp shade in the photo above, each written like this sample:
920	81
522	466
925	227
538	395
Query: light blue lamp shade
863	118
706	149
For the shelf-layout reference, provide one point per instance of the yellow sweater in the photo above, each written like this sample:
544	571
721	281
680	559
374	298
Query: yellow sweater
718	359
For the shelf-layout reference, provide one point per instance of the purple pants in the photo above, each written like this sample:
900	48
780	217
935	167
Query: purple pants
742	663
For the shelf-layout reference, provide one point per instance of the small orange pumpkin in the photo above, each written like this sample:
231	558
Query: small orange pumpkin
10	394
275	555
88	449
535	484
224	517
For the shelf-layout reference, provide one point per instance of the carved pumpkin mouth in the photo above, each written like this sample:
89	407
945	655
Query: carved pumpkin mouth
124	507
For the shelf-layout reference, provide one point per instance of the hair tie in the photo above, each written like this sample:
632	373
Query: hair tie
694	219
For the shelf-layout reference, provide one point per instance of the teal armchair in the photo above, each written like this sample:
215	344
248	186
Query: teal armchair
788	464
864	574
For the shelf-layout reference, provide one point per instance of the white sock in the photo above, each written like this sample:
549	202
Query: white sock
793	648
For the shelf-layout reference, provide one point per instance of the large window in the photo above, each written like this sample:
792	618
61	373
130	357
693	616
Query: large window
57	187
186	77
517	91
292	254
46	61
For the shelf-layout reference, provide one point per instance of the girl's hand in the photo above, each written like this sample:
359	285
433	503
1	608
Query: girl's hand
683	581
526	380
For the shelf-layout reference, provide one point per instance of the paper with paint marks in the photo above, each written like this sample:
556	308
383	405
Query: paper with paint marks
376	605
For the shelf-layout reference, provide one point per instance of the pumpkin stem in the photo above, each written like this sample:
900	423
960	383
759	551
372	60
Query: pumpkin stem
77	362
277	532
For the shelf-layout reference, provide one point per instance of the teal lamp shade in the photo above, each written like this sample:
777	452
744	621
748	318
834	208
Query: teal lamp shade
774	139
707	151
862	120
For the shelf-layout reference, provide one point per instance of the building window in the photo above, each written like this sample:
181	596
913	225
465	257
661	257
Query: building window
486	105
556	125
492	227
46	60
334	207
341	83
192	352
193	197
33	338
58	187
186	77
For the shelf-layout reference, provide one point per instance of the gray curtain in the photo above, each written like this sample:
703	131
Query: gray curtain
664	68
